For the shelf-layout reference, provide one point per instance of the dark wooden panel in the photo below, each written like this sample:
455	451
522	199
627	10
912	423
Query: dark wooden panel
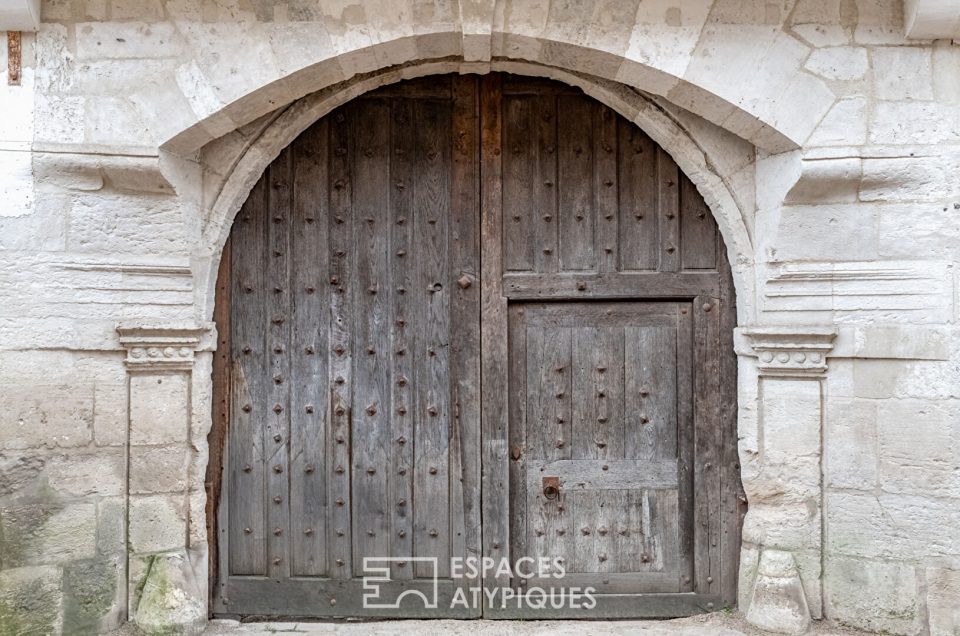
362	321
308	376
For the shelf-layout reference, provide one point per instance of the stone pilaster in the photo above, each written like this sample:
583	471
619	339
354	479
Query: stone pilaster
166	574
782	474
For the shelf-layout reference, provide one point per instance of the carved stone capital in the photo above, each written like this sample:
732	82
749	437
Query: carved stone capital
152	348
790	351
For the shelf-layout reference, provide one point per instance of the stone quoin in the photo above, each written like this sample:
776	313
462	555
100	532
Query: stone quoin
823	136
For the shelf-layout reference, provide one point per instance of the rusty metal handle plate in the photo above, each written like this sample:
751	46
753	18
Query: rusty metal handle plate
551	487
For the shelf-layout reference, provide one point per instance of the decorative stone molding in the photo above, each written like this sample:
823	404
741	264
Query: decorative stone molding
931	19
790	351
155	348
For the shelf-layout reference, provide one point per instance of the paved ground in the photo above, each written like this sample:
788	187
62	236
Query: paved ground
718	624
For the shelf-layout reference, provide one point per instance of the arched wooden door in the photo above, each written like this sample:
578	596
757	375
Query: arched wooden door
474	317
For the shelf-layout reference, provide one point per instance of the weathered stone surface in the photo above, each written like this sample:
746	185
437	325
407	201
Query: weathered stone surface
157	522
823	141
778	603
171	600
853	585
30	600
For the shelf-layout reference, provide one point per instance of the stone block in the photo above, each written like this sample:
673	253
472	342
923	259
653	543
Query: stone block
111	522
58	119
902	73
778	602
943	601
47	532
157	523
115	223
844	125
157	469
827	232
92	596
790	419
844	63
41	415
919	230
31	600
116	121
83	474
919	178
110	413
124	40
872	595
850	448
916	450
171	600
159	412
914	123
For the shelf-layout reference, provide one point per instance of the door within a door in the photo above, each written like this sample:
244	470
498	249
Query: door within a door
471	324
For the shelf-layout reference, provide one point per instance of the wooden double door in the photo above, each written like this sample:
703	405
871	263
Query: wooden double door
466	322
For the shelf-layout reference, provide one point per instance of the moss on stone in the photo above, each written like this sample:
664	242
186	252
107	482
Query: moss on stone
89	594
30	601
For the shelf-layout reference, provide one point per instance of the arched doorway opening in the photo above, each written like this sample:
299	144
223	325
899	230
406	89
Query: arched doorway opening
476	317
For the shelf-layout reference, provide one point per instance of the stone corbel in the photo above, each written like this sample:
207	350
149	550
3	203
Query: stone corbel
789	351
160	348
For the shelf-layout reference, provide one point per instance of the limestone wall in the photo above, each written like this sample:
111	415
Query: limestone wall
827	145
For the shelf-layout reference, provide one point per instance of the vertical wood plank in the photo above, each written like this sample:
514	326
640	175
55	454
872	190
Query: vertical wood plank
698	229
545	249
734	502
606	186
432	387
707	432
668	211
494	353
248	318
523	505
404	285
651	393
577	208
276	431
309	293
465	319
638	226
371	408
216	465
686	458
520	183
340	352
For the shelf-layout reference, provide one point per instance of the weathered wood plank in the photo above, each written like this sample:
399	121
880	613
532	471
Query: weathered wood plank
651	392
465	321
214	479
707	436
340	353
565	286
545	187
371	393
685	444
639	223
276	429
403	283
245	462
668	211
606	185
310	297
698	229
431	485
494	354
520	184
577	210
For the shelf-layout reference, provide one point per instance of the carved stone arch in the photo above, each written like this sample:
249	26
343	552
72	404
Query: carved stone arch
697	151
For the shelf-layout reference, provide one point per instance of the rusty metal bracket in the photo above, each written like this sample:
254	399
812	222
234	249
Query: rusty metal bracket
551	487
13	58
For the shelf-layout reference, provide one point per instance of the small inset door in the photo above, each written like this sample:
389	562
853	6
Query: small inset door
601	432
